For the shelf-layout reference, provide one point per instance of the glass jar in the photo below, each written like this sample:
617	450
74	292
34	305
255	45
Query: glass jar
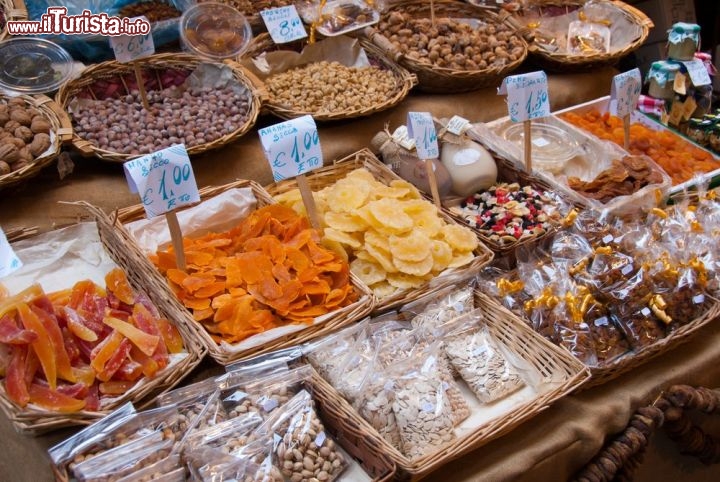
683	41
698	131
714	138
661	77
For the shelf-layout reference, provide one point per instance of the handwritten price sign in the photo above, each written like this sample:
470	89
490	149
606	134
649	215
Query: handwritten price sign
422	130
164	180
625	92
292	147
698	72
9	261
284	24
132	47
527	96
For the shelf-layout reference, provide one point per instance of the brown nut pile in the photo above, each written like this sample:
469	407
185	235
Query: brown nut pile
330	87
450	43
24	135
191	117
154	11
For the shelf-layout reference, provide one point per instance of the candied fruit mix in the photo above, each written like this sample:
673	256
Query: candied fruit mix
268	271
65	351
394	239
679	158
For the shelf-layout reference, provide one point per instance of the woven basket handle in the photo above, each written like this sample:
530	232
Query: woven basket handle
65	131
507	18
383	43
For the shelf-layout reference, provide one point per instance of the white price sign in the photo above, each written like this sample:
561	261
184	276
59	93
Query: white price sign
458	125
9	262
164	180
698	72
292	147
625	92
284	24
527	96
128	48
422	129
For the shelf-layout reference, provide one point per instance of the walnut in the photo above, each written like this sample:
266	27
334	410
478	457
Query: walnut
40	144
24	133
20	116
39	124
11	125
9	153
4	168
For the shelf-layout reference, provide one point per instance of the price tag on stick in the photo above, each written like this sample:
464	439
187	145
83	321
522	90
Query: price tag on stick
284	24
165	182
527	99
129	49
9	261
624	95
293	148
422	129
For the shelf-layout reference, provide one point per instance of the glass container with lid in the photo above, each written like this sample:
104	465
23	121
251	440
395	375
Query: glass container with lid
552	147
683	41
661	77
33	65
215	30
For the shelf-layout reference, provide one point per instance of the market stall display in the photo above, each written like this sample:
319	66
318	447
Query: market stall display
32	130
11	10
216	102
430	48
256	280
80	345
252	9
581	34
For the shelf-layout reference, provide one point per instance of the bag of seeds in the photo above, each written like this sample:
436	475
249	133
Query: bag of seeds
328	354
442	306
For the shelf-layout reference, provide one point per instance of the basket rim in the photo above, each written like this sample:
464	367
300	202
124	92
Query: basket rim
159	61
13	10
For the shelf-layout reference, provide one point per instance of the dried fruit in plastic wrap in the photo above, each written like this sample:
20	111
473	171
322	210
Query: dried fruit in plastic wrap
542	311
422	411
679	293
272	392
609	338
480	361
577	338
604	271
641	327
442	306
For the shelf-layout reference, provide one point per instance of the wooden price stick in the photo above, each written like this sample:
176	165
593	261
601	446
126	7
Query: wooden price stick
308	200
177	239
141	85
527	129
432	12
432	180
626	131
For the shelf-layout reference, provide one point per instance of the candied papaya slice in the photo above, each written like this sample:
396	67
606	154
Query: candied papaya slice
32	365
105	350
82	292
12	334
15	384
55	338
171	335
43	346
129	371
9	305
117	283
115	361
146	342
76	325
146	322
53	400
149	365
84	374
115	387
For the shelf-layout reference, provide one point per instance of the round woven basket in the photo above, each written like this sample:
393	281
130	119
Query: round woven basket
564	61
156	63
61	131
12	10
404	82
434	79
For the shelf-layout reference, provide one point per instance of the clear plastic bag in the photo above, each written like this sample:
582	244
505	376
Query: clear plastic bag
328	354
169	469
442	306
270	393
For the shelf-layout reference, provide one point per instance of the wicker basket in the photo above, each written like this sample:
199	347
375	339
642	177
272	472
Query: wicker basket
61	129
551	361
327	175
16	234
222	355
564	61
35	420
157	63
12	10
435	79
263	43
404	82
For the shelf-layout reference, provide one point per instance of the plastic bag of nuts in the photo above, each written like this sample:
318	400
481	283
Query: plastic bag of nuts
327	355
421	408
270	393
169	469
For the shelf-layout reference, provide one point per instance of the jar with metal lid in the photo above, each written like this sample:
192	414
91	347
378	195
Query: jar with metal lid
661	77
683	41
699	131
714	138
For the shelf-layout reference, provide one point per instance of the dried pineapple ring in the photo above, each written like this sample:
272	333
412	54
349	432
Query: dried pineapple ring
342	238
416	268
382	191
378	240
361	174
347	222
347	195
405	281
289	198
390	215
428	222
459	238
461	259
383	289
368	272
413	247
442	254
382	257
413	193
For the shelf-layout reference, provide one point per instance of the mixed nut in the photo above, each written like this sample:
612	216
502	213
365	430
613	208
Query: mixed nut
24	135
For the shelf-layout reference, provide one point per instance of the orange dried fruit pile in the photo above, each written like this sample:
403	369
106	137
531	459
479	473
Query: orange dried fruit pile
268	271
679	158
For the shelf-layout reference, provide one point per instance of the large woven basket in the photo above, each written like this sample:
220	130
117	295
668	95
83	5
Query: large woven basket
435	79
328	175
12	10
552	362
221	354
154	63
36	420
404	82
564	61
61	129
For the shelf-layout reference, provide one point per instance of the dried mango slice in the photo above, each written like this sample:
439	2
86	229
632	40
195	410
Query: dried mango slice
196	281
